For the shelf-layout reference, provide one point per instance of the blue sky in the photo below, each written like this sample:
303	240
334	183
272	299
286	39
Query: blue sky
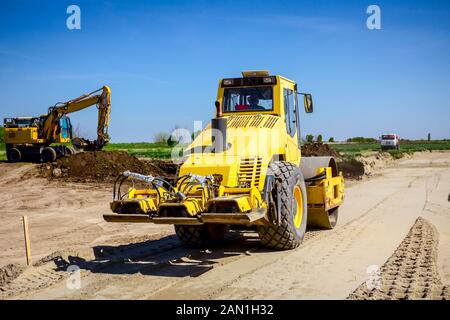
163	60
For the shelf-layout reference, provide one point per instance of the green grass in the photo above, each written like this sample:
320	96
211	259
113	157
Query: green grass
162	151
356	148
2	152
138	149
134	145
425	145
405	147
152	153
154	150
142	149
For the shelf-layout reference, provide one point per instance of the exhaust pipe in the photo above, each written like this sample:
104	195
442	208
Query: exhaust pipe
219	130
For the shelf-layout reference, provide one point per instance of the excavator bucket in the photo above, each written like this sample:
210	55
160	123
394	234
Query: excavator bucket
87	145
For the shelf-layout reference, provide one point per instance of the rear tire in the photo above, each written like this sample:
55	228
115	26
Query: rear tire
201	235
293	216
14	155
48	154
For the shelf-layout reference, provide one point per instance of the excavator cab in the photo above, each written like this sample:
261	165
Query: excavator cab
63	130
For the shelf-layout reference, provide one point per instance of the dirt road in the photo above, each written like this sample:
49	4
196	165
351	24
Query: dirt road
62	215
378	229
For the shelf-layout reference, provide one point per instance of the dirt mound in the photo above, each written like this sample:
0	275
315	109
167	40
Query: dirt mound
411	272
357	167
351	168
102	166
318	149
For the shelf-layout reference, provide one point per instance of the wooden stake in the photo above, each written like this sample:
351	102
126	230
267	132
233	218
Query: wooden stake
27	240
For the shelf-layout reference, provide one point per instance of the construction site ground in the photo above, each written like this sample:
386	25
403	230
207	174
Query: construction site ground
396	221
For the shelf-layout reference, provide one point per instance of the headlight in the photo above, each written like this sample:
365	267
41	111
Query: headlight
267	80
227	82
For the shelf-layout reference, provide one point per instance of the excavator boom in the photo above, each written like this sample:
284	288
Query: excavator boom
103	102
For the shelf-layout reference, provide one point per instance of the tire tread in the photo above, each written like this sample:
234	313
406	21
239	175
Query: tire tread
282	236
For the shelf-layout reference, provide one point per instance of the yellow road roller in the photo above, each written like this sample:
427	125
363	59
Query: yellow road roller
244	170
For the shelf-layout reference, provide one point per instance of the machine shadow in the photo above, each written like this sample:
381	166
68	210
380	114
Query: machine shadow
165	257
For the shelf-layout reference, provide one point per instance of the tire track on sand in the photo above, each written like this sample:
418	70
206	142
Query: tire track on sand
411	272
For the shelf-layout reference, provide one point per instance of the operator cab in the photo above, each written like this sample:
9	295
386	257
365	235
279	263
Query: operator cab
259	100
257	91
252	92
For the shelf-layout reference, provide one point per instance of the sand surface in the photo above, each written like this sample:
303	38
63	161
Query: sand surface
378	226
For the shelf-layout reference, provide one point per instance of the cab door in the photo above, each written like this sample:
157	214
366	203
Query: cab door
291	119
66	129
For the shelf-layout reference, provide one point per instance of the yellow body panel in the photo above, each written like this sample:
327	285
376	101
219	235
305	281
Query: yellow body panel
324	196
138	200
268	126
22	135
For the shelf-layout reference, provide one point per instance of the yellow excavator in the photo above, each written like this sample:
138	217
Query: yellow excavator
244	170
46	138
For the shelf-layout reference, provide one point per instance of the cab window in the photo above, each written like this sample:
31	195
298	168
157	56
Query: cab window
248	99
289	110
65	128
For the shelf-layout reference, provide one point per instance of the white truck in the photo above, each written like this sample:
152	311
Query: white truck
389	141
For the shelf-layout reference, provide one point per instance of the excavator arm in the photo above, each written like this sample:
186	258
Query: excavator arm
103	103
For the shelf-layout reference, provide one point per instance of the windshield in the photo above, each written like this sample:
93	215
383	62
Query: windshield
248	99
21	122
388	137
